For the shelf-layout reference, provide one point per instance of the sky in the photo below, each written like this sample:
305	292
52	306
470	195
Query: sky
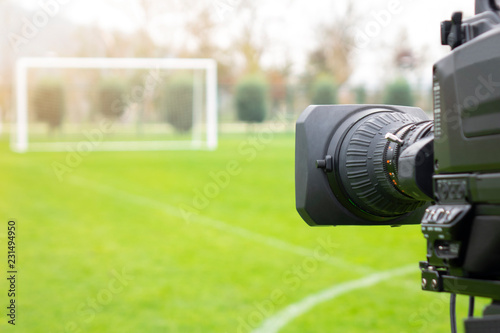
289	26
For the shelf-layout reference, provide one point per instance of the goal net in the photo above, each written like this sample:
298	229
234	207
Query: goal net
115	104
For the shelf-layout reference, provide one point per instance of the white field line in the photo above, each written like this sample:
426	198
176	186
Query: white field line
285	316
144	201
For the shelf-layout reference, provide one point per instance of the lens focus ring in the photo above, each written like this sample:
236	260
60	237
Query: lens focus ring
364	169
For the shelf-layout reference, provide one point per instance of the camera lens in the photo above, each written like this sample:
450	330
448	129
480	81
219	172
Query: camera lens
367	168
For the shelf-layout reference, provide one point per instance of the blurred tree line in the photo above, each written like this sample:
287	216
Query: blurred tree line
248	90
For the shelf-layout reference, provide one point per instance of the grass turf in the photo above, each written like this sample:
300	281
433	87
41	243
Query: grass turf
126	243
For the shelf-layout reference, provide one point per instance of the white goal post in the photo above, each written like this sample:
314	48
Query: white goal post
201	136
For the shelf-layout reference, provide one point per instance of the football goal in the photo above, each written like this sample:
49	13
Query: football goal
115	103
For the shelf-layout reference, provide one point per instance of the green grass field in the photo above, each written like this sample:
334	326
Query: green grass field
125	242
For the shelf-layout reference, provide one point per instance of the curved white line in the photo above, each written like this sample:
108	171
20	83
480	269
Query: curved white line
283	317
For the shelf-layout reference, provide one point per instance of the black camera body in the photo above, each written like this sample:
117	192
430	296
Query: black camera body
391	165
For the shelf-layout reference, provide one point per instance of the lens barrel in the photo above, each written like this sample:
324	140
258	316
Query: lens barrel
366	164
361	164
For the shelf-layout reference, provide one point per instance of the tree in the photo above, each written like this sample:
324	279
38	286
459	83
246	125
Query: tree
143	12
202	29
406	59
251	41
399	92
110	98
48	102
251	99
335	48
360	94
280	89
324	91
177	103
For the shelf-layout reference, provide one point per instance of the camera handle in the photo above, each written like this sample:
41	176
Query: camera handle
487	5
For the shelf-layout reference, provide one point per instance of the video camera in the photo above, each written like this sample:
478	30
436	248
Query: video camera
391	165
